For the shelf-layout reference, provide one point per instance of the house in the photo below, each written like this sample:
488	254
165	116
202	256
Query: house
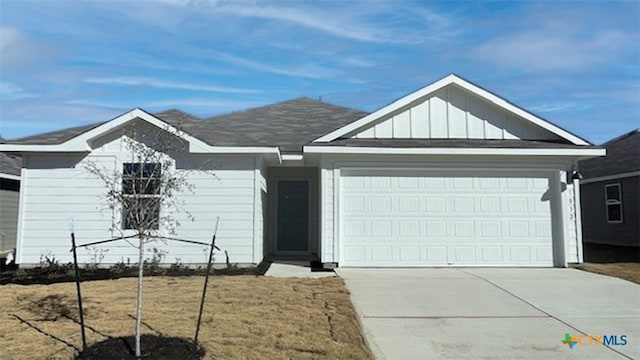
10	166
450	175
611	194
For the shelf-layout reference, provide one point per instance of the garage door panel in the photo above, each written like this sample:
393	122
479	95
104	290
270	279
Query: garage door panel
419	218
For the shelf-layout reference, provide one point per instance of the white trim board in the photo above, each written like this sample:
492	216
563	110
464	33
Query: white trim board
9	176
351	150
610	177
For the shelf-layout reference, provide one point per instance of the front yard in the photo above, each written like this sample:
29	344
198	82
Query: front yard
246	317
629	271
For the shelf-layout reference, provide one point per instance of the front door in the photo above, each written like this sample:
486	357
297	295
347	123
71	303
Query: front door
293	216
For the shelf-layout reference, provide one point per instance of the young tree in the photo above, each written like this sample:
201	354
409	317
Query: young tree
144	193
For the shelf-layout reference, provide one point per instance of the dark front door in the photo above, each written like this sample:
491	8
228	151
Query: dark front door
293	216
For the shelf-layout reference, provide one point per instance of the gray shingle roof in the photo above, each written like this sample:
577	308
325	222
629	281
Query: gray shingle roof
54	137
289	125
10	164
453	143
623	156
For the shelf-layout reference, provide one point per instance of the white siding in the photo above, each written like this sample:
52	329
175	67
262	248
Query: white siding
453	113
8	218
59	189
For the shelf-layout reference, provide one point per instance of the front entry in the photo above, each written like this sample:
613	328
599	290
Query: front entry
293	216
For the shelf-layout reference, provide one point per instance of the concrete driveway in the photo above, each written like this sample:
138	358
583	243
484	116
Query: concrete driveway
494	313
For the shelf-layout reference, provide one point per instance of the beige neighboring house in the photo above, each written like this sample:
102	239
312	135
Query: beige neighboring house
10	166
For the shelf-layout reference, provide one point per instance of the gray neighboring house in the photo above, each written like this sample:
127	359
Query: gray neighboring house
10	166
611	193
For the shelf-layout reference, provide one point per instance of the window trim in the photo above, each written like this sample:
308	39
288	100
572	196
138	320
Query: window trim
155	175
608	202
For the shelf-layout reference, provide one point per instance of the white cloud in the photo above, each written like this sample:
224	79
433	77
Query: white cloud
139	81
318	19
551	48
373	22
8	36
212	106
19	50
311	71
559	107
10	91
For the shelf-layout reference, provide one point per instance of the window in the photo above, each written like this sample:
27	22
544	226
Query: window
9	184
613	195
141	190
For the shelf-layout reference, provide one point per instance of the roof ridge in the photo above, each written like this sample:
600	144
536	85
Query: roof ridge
618	138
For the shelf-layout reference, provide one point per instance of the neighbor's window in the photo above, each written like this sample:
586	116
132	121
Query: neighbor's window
613	195
141	190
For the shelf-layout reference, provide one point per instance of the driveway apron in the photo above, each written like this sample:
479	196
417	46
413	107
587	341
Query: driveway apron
494	313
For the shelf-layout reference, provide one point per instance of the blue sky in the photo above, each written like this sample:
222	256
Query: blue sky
69	63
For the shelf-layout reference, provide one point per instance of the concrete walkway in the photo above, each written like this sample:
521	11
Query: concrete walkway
493	313
295	269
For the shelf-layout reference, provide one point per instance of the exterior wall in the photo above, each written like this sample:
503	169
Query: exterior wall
595	228
57	188
566	245
453	113
9	201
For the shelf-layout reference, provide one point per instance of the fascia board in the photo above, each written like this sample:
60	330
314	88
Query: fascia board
346	150
10	176
19	148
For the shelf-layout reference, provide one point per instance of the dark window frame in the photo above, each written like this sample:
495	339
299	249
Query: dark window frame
9	184
141	190
613	200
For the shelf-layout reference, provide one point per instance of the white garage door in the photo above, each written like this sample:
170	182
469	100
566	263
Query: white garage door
438	218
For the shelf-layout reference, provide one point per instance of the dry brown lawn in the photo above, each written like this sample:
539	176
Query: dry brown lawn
246	317
628	271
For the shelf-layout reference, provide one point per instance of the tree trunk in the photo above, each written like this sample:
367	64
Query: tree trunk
139	300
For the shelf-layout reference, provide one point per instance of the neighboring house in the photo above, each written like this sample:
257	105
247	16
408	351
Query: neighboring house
450	175
611	193
10	166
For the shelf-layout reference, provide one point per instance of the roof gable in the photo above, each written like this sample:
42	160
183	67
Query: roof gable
288	125
84	138
452	108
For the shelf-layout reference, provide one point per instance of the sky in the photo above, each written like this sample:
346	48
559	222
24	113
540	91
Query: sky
71	63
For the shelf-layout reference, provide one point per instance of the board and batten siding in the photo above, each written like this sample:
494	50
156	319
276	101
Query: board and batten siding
9	201
58	188
452	113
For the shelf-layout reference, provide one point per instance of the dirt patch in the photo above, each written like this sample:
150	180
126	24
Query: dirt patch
156	347
628	271
245	317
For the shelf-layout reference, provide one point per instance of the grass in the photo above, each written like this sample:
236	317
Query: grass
246	317
624	270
